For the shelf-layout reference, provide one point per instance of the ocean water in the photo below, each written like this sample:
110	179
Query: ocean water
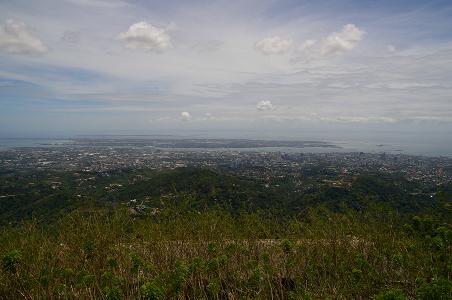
8	143
441	147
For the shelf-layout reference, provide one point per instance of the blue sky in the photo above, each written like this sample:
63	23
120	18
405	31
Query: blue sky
264	67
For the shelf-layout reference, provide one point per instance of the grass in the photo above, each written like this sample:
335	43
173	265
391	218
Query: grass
211	254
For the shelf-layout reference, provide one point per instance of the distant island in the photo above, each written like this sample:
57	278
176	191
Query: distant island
190	143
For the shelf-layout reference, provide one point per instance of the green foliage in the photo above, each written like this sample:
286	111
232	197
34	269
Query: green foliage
43	278
85	279
197	264
66	273
114	293
423	225
179	276
213	265
190	190
11	261
111	262
222	260
152	290
212	248
391	294
437	290
287	246
136	261
255	278
213	288
88	248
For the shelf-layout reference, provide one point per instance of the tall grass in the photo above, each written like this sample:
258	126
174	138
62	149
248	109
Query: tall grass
211	254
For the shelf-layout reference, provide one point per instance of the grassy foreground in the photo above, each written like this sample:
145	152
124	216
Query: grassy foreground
106	254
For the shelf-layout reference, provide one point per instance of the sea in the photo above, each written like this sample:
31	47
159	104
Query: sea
432	149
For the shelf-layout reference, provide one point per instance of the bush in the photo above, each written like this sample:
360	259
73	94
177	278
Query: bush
213	288
287	246
391	294
88	248
11	261
114	293
179	276
136	261
436	290
152	291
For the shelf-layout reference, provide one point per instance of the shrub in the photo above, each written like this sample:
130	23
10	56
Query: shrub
436	290
213	288
197	264
179	276
152	291
88	248
213	265
255	278
11	261
111	262
287	246
114	293
137	262
212	248
391	294
66	273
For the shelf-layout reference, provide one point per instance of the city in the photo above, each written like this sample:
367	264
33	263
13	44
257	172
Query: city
106	171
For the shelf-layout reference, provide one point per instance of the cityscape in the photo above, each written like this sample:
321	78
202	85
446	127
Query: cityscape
90	162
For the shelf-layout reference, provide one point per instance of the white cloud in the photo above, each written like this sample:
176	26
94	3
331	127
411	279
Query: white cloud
264	105
143	35
342	41
185	116
273	45
334	44
16	38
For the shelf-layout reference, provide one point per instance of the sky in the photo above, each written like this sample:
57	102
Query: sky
257	68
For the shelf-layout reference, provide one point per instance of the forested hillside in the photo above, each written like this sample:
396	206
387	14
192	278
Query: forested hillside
48	195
